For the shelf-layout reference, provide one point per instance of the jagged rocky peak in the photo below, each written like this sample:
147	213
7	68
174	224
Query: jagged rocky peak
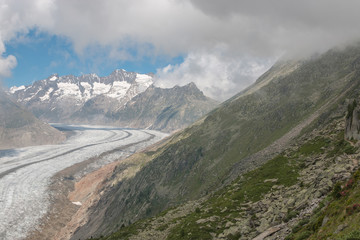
122	75
84	87
122	98
53	77
193	89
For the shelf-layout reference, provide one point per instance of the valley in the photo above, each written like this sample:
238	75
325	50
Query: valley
26	173
179	120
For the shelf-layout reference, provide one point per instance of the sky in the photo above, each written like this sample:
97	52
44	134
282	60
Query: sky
220	45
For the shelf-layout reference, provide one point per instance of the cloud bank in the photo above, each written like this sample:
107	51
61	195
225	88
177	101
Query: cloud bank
225	44
218	76
7	63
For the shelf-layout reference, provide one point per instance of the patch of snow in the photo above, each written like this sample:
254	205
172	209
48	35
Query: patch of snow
144	81
143	78
69	89
87	92
73	88
32	96
47	95
119	89
15	89
53	78
100	88
86	85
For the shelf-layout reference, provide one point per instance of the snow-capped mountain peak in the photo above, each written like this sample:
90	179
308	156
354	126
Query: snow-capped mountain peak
85	87
69	93
14	89
53	77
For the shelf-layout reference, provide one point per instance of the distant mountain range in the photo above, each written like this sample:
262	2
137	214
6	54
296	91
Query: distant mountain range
123	98
19	128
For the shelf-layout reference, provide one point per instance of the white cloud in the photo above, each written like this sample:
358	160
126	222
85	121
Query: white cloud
249	31
218	76
17	17
172	27
7	63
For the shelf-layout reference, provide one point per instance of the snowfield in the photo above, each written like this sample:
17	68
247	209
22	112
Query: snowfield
25	173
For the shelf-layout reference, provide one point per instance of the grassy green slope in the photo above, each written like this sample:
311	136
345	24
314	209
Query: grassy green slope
337	217
199	159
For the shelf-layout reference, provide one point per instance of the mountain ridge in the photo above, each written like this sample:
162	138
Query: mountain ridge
64	95
201	158
111	100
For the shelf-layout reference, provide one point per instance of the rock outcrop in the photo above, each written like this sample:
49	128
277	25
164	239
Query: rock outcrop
352	130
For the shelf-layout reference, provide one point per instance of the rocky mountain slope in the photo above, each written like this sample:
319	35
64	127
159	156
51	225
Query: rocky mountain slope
290	196
155	108
234	139
123	98
19	128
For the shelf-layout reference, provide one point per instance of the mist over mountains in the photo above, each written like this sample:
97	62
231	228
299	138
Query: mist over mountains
19	128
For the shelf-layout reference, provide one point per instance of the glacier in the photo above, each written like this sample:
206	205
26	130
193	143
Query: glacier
25	173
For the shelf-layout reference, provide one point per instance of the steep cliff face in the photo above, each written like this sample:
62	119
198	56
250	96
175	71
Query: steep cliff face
352	130
240	135
19	128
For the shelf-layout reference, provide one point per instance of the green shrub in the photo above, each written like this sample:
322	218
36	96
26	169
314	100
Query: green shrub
304	235
296	228
290	216
336	192
234	236
303	222
289	237
182	233
354	235
316	224
197	210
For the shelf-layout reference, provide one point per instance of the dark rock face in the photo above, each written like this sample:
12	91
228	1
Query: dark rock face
352	130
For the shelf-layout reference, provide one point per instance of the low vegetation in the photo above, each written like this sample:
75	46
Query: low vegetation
337	217
210	153
223	208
